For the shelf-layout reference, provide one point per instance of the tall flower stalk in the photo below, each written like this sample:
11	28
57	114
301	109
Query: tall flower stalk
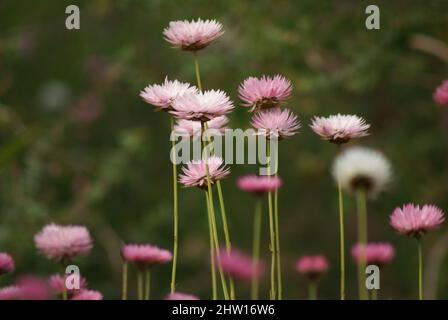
362	239
256	248
175	214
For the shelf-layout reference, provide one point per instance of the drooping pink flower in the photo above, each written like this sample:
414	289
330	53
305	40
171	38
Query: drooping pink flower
145	255
275	123
192	35
88	295
10	293
441	94
239	266
259	185
312	267
57	284
192	129
339	128
6	263
194	174
378	254
264	92
33	288
181	296
162	95
413	221
201	106
63	242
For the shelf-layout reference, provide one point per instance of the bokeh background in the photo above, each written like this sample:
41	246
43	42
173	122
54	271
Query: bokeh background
78	146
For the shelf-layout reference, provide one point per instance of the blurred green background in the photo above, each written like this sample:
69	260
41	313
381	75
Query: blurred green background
79	146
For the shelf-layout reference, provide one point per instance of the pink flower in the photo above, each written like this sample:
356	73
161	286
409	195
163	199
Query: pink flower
145	255
63	242
239	266
162	95
88	295
33	288
264	92
202	106
378	254
6	263
194	174
259	185
275	123
10	293
181	296
192	35
312	266
340	128
192	129
414	221
57	284
441	94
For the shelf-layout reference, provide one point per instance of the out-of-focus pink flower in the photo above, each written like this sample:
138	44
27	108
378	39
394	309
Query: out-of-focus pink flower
87	109
339	128
88	295
145	255
378	254
6	263
239	266
264	92
63	242
413	221
162	95
192	35
192	129
194	174
441	94
312	267
181	296
33	288
259	185
10	293
202	106
57	284
275	123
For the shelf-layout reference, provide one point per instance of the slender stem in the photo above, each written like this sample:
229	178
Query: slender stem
140	285
212	252
64	285
341	240
147	283
256	248
271	231
277	246
198	74
312	290
362	240
374	294
420	270
124	294
175	217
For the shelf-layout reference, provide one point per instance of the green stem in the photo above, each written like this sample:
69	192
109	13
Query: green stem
362	240
198	74
374	294
64	285
277	246
256	248
212	252
147	283
312	291
140	285
175	217
271	231
420	270
341	240
124	294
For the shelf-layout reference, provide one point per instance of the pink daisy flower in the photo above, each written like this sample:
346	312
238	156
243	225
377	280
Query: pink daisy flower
192	129
259	185
239	266
264	92
378	254
441	94
202	106
275	123
181	296
63	242
88	295
194	174
145	255
339	128
6	263
33	288
192	35
162	95
312	267
414	221
10	293
57	284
